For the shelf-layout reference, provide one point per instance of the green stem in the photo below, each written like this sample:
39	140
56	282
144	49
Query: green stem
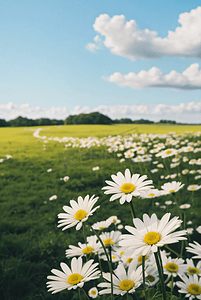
143	275
177	254
178	209
79	294
172	281
111	278
156	254
132	210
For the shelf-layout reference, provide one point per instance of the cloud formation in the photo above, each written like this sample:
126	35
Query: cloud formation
183	112
189	79
124	38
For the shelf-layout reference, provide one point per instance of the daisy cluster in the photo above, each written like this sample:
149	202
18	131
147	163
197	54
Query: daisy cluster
121	260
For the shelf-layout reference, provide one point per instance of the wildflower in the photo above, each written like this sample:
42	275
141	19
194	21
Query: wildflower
171	187
167	153
193	187
95	168
126	187
49	170
152	275
110	238
198	229
152	233
74	277
185	206
123	282
114	219
78	212
160	166
92	246
189	230
93	292
54	197
1	160
185	171
152	193
168	202
192	269
173	165
66	178
154	170
191	286
174	266
102	224
196	249
122	160
8	156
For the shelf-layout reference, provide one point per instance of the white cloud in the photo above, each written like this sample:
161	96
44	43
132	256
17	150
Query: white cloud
98	43
190	79
183	112
124	38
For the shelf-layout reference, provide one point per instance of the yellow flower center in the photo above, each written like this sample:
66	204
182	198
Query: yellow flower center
74	278
87	250
122	252
129	260
108	242
114	220
127	188
171	191
126	284
101	228
151	195
194	289
151	278
192	188
140	258
113	257
80	214
168	152
171	267
152	237
93	292
193	271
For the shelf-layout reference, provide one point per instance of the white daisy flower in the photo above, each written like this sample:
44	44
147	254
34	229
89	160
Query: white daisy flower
123	282
78	212
152	193
74	277
192	269
92	246
198	229
167	153
102	224
110	238
193	187
152	233
191	286
126	187
185	206
49	170
54	197
171	187
93	292
196	249
152	275
174	266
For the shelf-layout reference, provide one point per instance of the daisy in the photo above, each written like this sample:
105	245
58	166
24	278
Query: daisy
102	224
152	193
110	238
151	234
185	206
196	249
78	212
193	187
198	229
174	266
54	197
191	286
126	187
152	275
123	282
171	187
92	246
74	277
192	269
167	153
93	292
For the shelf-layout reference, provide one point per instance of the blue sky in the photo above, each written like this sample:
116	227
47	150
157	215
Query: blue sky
51	66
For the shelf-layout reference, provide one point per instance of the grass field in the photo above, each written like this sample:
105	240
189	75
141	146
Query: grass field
30	242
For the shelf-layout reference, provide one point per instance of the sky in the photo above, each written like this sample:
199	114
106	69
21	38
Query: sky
123	58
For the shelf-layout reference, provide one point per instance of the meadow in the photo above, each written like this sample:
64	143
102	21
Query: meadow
59	161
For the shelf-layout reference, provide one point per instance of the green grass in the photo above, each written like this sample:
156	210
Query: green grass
30	242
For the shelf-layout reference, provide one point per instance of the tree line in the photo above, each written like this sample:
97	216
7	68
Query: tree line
91	118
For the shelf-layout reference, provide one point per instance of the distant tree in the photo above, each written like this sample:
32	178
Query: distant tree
167	122
142	121
20	121
92	118
123	121
3	123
